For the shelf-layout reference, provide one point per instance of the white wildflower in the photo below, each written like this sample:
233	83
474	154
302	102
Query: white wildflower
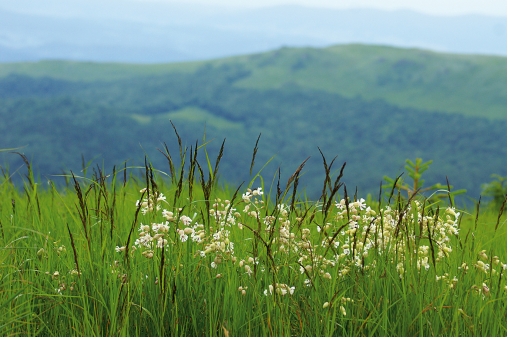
343	310
185	220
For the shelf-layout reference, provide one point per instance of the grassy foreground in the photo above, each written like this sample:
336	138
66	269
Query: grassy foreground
176	255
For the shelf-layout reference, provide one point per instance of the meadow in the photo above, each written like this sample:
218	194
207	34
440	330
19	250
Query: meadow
170	252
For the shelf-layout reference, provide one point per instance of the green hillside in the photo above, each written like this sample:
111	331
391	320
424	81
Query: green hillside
419	79
371	106
92	71
413	78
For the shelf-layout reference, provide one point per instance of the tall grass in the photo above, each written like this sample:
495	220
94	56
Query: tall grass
175	254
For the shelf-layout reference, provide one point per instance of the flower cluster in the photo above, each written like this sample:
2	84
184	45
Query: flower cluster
342	302
252	193
223	213
446	279
151	202
364	230
352	236
281	289
64	282
219	245
157	234
486	266
246	265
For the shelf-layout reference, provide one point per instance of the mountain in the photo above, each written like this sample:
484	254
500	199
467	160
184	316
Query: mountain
370	106
412	78
135	32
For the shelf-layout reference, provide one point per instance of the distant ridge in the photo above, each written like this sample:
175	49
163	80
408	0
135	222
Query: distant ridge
473	85
371	106
170	33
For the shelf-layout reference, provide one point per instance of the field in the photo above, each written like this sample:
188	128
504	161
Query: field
171	252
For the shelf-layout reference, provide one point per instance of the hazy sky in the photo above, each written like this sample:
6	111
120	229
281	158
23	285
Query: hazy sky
439	7
188	27
435	7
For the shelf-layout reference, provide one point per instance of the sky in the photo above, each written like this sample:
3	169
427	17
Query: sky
435	7
203	29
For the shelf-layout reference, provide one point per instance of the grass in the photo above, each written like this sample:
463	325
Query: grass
174	254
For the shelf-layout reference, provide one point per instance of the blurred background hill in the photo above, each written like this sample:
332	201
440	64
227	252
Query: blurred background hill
84	87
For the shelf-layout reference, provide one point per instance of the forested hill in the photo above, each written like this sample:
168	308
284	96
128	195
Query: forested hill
371	106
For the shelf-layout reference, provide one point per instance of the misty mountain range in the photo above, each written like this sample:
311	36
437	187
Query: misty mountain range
133	32
370	106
